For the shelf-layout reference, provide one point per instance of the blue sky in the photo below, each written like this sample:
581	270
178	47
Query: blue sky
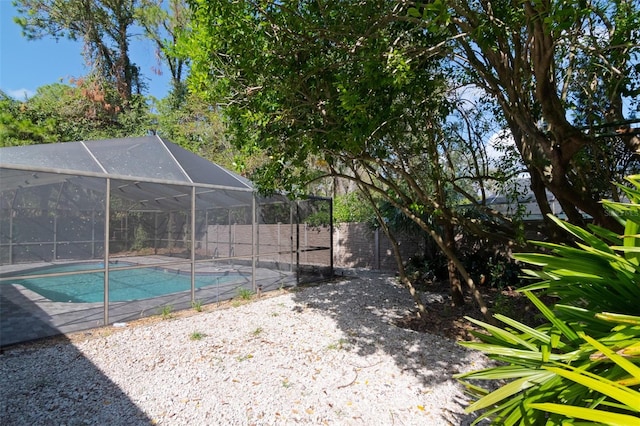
26	65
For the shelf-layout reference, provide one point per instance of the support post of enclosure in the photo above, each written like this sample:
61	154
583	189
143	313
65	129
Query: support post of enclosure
297	242
55	236
193	244
256	243
331	237
206	232
93	234
230	243
254	208
155	232
55	223
11	212
107	216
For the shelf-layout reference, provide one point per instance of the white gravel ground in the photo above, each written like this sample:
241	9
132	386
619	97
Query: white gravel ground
328	354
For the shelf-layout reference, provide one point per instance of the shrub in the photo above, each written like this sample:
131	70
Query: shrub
582	364
140	238
352	207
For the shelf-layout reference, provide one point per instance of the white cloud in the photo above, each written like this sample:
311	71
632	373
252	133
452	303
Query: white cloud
499	143
20	94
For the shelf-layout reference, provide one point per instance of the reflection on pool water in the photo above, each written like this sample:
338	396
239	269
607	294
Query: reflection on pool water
124	285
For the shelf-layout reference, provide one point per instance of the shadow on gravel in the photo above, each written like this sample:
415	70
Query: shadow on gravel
366	310
75	390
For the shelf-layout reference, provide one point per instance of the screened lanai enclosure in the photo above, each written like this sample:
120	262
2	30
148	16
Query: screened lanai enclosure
103	232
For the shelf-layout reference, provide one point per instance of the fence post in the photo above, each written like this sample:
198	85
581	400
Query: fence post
331	266
336	250
291	234
376	249
11	211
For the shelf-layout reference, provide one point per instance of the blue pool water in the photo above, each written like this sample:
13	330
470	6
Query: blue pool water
124	285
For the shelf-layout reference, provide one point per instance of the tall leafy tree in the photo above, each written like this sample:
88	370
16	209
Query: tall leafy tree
164	23
332	88
565	73
109	101
196	126
17	127
104	26
59	112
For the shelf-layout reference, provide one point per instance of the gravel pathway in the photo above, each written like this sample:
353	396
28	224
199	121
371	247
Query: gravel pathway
328	354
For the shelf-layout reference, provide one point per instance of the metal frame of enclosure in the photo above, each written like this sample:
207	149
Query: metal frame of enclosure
187	231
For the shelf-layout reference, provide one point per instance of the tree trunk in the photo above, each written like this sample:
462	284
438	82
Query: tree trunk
463	272
457	297
404	279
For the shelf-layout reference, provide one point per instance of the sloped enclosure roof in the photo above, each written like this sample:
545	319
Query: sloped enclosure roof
149	158
150	172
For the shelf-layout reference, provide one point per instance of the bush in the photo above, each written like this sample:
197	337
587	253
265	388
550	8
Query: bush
424	271
582	364
352	207
492	268
140	238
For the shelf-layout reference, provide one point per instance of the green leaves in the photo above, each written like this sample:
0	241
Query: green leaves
434	12
536	377
628	398
340	81
599	416
506	391
603	276
583	363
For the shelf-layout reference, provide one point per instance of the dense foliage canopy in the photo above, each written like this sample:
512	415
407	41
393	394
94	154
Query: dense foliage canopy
566	76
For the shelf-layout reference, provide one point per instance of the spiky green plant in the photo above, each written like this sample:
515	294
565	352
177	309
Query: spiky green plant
583	364
166	312
197	335
244	293
197	305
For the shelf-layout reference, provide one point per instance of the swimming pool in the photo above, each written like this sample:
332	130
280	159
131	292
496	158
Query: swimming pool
124	285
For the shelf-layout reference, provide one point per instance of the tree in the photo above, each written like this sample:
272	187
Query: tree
562	71
17	128
332	89
105	27
164	24
59	113
351	207
109	100
196	126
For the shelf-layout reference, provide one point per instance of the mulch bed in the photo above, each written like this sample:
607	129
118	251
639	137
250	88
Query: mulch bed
449	321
